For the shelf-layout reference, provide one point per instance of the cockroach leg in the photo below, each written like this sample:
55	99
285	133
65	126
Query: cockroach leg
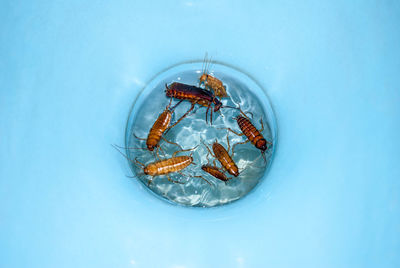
262	125
142	139
227	140
208	159
201	177
170	142
208	108
138	162
215	166
220	169
162	150
157	154
233	148
211	115
171	180
183	175
191	149
182	117
227	128
173	108
208	149
244	114
169	104
263	155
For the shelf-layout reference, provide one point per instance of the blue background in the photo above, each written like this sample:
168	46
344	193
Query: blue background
69	71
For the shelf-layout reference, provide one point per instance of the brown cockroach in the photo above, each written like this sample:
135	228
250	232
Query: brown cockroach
251	132
215	172
159	127
211	82
222	155
214	84
166	166
194	95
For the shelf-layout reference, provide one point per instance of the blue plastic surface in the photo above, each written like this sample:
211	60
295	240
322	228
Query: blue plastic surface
70	70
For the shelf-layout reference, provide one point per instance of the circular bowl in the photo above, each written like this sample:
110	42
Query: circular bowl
192	186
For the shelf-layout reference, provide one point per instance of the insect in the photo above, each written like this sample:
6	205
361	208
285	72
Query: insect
250	131
211	82
215	84
223	157
194	95
166	166
159	127
215	172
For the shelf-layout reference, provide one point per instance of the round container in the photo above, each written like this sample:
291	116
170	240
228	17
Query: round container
193	186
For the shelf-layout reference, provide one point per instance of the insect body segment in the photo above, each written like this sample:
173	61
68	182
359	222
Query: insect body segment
251	132
158	128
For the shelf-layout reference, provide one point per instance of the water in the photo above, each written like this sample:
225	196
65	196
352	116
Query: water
193	132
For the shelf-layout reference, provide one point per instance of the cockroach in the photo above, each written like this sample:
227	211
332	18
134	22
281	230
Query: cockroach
222	155
212	82
215	172
194	95
159	127
166	166
251	132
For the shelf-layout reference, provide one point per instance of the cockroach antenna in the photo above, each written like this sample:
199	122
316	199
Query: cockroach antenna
203	66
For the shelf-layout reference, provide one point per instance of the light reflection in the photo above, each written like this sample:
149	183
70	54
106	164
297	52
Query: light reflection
130	80
240	261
